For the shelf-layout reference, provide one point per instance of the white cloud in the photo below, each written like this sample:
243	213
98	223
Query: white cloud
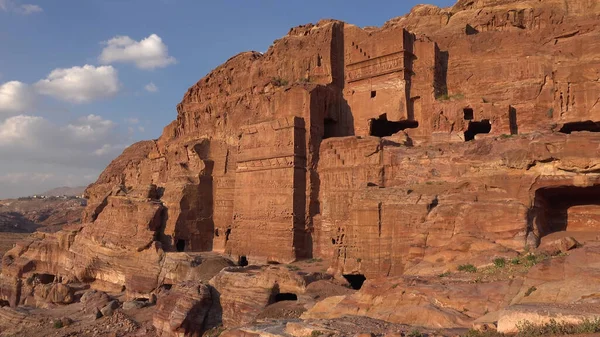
132	120
38	154
141	129
15	97
80	84
149	53
20	177
89	141
25	9
151	87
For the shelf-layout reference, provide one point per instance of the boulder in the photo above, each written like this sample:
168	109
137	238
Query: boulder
183	310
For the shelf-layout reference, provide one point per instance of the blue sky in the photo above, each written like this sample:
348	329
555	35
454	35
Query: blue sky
55	134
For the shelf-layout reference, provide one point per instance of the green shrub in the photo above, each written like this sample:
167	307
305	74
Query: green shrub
500	262
415	333
515	261
554	328
468	268
487	333
292	267
58	324
444	274
279	82
316	333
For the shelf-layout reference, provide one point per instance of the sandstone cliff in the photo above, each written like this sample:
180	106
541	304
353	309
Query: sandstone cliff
445	137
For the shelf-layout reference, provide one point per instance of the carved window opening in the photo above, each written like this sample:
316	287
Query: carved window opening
180	245
512	119
45	278
356	280
216	232
381	127
589	126
567	208
373	93
319	60
329	128
284	297
468	114
242	261
476	128
227	233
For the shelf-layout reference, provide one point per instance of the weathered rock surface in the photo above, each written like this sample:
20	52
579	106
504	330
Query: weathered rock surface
183	310
446	138
244	292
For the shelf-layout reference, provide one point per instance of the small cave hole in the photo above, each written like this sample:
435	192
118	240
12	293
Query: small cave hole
589	126
216	232
512	119
166	286
468	114
45	278
180	245
227	233
470	30
242	261
330	128
285	297
476	128
567	208
356	280
373	93
381	127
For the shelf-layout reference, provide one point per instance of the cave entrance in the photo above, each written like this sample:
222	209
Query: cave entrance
180	245
242	261
356	280
45	278
381	127
567	208
580	126
330	128
468	114
476	128
285	297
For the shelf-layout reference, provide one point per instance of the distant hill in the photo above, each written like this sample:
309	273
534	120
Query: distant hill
68	191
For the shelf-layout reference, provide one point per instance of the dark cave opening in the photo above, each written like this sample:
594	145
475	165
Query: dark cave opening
242	261
356	280
330	128
381	127
45	278
180	245
476	128
468	114
567	208
284	297
580	126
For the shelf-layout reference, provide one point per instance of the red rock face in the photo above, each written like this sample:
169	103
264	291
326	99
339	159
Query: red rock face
447	135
